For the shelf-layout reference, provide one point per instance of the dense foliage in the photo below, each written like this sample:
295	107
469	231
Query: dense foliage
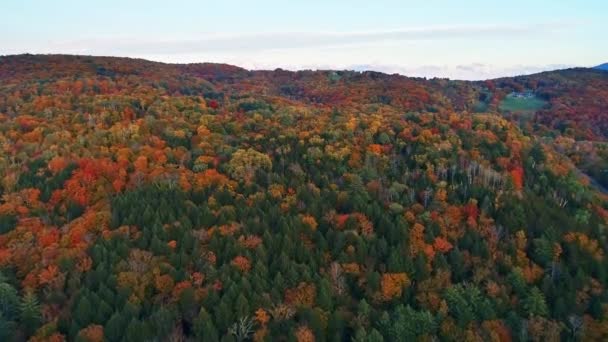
147	201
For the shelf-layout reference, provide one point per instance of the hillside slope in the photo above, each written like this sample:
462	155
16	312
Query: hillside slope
602	66
145	200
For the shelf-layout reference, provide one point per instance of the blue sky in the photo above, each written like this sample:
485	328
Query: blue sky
458	39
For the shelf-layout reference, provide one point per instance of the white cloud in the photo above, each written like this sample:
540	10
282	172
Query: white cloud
437	51
264	41
474	71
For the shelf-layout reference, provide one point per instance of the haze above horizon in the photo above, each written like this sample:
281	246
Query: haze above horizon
465	40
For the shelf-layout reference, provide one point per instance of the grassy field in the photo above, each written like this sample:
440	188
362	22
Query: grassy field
521	105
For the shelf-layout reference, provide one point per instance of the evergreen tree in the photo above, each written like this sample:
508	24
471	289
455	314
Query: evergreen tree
7	328
30	316
408	324
114	328
534	304
324	297
204	329
9	301
241	306
163	321
83	313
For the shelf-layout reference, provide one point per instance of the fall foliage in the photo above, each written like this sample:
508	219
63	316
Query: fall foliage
143	201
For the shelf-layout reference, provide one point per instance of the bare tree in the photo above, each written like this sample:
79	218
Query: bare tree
242	329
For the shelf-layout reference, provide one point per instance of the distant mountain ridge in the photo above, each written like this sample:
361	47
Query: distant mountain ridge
602	67
208	69
579	87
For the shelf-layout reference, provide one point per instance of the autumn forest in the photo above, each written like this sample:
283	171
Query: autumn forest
142	201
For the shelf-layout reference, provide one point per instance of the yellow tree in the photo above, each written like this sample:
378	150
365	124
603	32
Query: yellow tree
245	163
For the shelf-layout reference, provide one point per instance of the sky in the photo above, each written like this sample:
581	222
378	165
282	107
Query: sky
466	39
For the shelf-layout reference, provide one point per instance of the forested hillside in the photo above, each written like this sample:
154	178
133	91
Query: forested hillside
143	201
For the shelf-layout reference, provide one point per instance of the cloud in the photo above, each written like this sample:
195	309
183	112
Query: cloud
416	51
473	71
264	41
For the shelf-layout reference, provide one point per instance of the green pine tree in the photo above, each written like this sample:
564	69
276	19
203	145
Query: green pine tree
30	316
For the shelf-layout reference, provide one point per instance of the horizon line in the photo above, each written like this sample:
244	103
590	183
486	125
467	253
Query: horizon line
361	68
